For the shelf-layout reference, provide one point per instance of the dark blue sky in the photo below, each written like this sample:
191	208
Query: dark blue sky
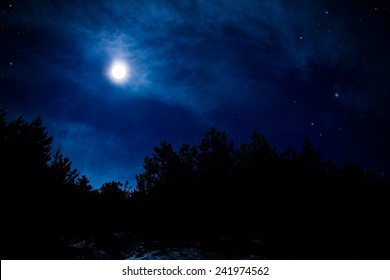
290	69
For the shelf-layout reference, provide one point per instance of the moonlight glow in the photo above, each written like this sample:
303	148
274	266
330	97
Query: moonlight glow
119	72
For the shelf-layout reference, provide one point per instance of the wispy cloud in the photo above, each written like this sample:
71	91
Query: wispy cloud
182	52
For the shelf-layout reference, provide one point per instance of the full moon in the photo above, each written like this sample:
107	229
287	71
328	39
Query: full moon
118	72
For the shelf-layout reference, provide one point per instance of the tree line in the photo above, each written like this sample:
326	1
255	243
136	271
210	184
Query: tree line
217	194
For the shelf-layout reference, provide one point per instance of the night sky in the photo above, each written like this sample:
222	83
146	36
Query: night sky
290	69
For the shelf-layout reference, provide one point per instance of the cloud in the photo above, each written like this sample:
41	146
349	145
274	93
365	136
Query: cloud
183	52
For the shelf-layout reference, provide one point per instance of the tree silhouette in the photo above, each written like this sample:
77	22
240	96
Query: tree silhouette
303	201
62	170
294	204
25	154
43	199
160	168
